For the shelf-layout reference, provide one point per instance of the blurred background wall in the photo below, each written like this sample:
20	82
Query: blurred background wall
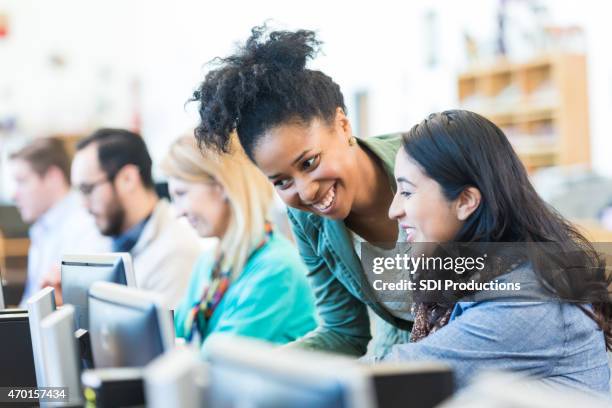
69	66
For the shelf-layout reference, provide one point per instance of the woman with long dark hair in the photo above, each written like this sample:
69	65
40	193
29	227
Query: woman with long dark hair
459	180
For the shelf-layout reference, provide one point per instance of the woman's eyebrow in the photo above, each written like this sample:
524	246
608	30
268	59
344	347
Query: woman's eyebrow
404	180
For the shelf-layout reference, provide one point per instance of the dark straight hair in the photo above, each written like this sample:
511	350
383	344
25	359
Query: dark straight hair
120	147
460	149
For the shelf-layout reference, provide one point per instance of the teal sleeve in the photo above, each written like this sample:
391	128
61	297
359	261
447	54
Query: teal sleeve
344	322
262	306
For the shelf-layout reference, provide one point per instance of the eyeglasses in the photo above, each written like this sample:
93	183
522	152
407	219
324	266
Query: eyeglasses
88	188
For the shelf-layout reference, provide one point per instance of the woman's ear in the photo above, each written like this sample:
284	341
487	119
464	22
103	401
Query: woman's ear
343	122
468	202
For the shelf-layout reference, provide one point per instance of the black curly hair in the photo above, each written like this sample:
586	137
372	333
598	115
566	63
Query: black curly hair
264	84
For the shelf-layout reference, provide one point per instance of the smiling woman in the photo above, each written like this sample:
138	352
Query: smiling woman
255	284
292	123
459	180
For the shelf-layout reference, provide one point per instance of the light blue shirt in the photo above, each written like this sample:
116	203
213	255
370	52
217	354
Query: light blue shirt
64	228
553	341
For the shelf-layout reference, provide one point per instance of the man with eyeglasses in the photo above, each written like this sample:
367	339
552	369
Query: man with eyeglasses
112	170
60	223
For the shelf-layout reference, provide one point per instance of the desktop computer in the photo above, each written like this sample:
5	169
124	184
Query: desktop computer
128	327
245	372
412	383
40	305
178	378
2	304
79	272
252	373
114	387
16	359
60	355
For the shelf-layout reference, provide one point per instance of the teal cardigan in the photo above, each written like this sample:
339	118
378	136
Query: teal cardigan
270	299
340	286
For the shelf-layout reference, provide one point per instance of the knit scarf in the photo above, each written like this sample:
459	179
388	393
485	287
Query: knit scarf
428	318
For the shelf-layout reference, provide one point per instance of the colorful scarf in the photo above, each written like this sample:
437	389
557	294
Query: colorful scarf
203	309
428	318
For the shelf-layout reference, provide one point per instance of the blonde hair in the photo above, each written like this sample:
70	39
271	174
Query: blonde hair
249	193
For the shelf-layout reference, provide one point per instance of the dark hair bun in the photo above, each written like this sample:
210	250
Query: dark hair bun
281	49
263	84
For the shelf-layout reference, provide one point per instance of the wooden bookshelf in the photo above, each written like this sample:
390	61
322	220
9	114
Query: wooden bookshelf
541	105
11	248
593	230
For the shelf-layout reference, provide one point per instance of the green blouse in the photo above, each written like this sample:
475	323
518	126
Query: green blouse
343	294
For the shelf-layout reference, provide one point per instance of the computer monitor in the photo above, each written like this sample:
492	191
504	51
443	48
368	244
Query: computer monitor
245	372
114	387
79	272
252	373
2	304
128	327
60	354
40	305
178	378
16	359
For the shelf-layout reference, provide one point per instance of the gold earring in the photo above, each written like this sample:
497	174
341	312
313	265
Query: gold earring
352	141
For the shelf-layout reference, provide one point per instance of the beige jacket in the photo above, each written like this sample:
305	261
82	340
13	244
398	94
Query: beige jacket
165	254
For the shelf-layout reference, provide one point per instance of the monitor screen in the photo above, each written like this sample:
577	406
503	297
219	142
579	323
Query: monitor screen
80	272
16	357
125	330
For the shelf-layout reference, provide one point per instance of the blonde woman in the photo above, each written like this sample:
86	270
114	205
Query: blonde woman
255	284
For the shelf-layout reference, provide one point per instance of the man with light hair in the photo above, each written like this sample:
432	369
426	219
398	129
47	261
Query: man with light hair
60	223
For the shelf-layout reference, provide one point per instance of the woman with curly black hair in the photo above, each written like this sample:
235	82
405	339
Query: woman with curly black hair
292	123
